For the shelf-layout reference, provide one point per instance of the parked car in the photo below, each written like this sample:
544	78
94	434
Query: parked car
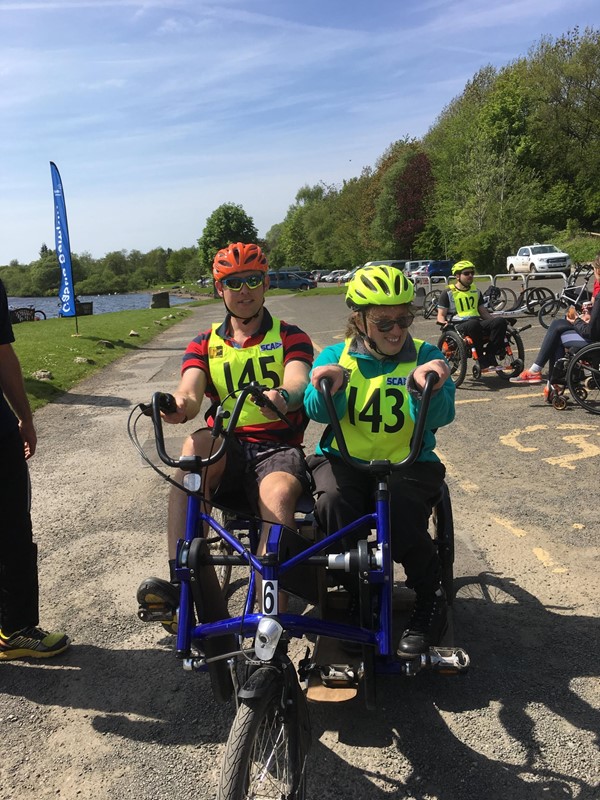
413	266
334	276
539	258
399	263
434	270
347	276
290	280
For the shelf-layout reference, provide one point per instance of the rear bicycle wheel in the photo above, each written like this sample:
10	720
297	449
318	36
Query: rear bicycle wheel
508	299
550	310
536	297
264	755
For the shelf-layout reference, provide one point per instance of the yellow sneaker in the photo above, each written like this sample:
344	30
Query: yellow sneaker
32	642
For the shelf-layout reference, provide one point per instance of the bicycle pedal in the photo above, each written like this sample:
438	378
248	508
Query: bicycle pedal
447	660
156	613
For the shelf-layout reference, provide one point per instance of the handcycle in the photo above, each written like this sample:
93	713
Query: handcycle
266	751
458	347
572	294
579	373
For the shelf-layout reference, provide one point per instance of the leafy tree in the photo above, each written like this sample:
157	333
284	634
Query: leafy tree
228	223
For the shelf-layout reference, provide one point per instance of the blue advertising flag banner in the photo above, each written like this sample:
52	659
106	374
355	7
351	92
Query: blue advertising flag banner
66	294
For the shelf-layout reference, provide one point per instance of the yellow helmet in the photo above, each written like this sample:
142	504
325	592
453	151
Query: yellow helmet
461	265
379	286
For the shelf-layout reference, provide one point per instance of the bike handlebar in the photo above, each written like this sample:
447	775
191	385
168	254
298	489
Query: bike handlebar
381	465
162	402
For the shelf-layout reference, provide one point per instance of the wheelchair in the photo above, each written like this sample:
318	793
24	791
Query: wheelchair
458	347
579	373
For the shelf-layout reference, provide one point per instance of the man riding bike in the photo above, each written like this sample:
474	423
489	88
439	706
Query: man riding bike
463	304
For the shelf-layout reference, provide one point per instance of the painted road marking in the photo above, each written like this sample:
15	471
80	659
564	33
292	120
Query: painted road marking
585	448
520	396
546	560
505	523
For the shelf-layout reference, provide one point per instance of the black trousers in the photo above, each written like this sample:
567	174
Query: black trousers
494	329
19	600
343	494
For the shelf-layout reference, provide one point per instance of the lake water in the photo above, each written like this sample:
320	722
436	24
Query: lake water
103	303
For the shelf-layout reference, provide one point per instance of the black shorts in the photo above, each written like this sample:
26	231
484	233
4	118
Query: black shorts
248	463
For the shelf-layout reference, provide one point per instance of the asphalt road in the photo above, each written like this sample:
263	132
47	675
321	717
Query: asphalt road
117	717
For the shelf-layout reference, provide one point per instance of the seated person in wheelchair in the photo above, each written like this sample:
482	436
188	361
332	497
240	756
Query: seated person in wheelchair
376	377
569	334
463	304
265	463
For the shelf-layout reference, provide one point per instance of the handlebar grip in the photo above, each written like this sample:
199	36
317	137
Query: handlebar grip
167	403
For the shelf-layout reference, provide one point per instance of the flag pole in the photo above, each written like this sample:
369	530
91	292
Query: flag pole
66	295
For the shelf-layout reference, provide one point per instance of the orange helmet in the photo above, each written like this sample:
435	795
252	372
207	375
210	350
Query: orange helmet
239	257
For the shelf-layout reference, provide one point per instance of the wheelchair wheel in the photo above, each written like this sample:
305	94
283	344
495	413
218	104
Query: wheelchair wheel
430	303
535	297
583	378
550	310
454	349
512	362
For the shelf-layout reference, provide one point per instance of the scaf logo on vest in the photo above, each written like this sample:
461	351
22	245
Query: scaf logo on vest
396	381
271	346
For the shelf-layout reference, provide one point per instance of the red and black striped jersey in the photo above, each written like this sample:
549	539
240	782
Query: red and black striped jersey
297	346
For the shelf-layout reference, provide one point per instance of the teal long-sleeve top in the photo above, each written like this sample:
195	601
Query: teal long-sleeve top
441	409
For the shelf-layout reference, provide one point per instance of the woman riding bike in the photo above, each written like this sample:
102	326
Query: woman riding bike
376	377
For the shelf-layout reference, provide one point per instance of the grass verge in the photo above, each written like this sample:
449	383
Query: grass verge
52	345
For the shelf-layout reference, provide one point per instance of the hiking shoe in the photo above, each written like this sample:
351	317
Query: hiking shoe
491	370
527	377
32	642
158	601
427	625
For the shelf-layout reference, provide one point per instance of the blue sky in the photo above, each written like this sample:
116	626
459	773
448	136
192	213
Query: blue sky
158	111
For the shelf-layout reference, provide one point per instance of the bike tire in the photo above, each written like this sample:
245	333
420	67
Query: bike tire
550	310
443	536
430	303
513	360
507	301
454	349
535	297
39	315
583	378
264	756
219	547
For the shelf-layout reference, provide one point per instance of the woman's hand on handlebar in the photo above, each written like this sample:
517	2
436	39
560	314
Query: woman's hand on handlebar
439	366
335	374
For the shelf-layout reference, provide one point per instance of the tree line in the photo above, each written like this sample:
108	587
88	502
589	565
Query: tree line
514	159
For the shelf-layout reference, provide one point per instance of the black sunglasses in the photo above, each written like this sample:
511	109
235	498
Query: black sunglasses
467	272
235	284
386	325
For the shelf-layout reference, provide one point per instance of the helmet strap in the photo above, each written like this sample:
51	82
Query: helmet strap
366	338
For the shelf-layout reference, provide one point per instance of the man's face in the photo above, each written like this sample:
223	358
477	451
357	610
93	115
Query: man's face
243	292
466	277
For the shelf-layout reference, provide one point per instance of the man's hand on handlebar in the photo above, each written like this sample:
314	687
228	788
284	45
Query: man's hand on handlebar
277	400
335	374
438	366
179	414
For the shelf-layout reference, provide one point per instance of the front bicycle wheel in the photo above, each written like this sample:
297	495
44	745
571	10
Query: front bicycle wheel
264	757
583	378
550	310
430	303
219	547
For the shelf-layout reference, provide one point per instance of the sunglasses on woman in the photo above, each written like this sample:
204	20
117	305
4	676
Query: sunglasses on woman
386	325
235	284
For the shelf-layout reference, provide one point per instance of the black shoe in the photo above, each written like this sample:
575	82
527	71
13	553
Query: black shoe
158	600
426	626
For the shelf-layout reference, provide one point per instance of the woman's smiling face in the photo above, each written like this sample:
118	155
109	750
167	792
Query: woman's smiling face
394	320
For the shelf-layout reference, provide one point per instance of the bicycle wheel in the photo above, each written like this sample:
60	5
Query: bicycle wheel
507	300
219	547
512	362
443	536
39	315
550	310
583	378
430	303
265	753
455	351
535	297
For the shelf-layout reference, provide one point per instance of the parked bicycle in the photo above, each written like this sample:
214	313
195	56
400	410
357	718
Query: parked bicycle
247	655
